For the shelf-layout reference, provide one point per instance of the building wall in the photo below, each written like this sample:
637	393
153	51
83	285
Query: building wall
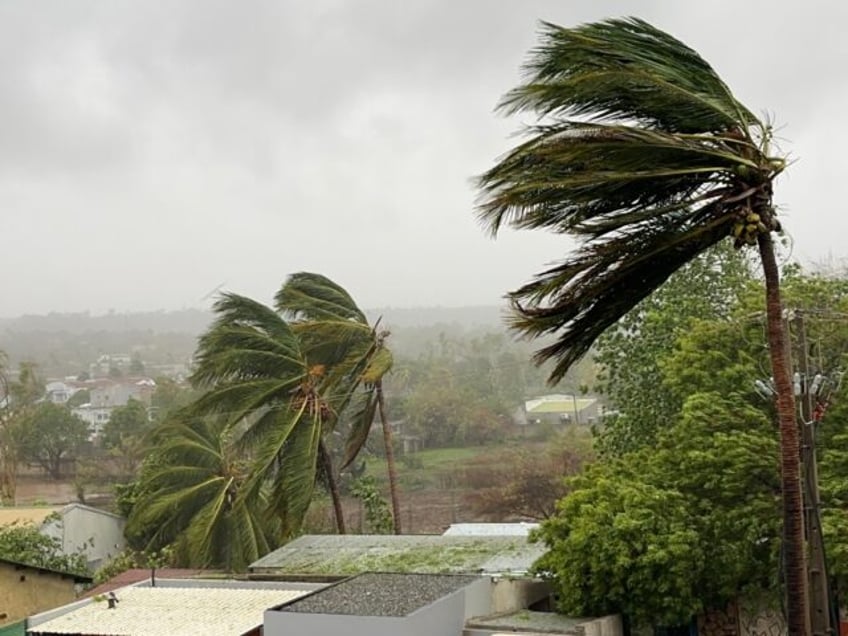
28	591
95	416
511	595
287	623
99	535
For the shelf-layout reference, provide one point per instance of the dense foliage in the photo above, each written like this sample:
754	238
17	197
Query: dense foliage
663	533
710	457
25	543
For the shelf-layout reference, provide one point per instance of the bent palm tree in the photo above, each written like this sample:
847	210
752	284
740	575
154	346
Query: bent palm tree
193	498
644	154
267	392
335	332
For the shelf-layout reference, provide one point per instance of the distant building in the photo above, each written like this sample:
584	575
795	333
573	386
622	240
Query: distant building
519	529
106	394
60	391
109	363
562	409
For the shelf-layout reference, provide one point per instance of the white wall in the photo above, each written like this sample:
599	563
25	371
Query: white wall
98	534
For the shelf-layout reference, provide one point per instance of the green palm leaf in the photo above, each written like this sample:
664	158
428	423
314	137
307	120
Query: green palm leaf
336	334
626	69
189	498
312	297
644	155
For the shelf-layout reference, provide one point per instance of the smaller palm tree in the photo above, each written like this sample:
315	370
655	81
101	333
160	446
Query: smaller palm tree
335	332
194	497
271	398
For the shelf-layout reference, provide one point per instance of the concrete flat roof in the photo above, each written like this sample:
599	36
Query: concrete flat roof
379	594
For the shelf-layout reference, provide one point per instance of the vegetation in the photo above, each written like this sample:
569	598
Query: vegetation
668	531
17	401
244	458
50	435
24	543
644	154
193	497
336	334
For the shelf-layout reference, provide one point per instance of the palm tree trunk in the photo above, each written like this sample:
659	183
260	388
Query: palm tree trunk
390	458
795	567
333	487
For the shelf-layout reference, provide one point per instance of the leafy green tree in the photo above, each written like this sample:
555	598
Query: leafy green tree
624	546
632	353
52	434
17	401
643	152
125	422
8	437
663	533
377	512
24	543
168	397
79	398
136	365
194	495
123	435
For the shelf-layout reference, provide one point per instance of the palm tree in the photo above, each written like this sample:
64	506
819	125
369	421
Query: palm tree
336	332
261	384
643	153
193	497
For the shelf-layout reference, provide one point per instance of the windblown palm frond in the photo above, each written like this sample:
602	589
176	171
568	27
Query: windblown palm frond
643	154
270	397
307	296
290	454
195	497
335	333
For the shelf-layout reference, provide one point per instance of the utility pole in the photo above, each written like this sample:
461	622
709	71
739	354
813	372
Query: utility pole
819	590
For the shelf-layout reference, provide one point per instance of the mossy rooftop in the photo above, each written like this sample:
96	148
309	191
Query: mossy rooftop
345	555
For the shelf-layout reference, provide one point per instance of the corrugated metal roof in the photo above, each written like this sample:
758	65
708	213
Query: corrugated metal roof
558	404
340	555
520	529
136	575
153	611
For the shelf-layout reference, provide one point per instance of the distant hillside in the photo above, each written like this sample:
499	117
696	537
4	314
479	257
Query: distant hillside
465	317
66	343
191	321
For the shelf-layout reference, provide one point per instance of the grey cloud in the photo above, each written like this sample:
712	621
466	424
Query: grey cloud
152	150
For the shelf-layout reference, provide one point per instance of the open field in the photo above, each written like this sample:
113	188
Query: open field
435	485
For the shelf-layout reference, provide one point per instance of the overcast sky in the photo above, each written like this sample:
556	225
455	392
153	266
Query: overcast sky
152	151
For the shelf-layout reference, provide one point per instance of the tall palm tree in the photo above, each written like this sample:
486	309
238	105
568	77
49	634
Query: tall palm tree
336	332
642	152
259	381
193	497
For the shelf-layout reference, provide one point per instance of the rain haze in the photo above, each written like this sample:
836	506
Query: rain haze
153	151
